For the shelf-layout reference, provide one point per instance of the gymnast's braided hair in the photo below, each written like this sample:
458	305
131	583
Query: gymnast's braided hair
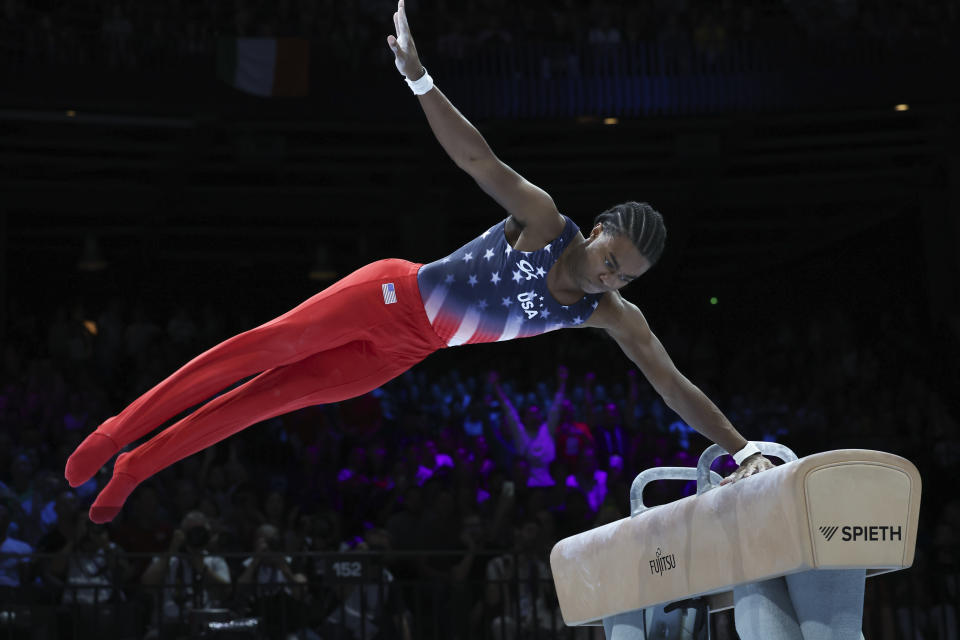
641	223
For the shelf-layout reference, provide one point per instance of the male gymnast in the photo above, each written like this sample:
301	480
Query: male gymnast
530	273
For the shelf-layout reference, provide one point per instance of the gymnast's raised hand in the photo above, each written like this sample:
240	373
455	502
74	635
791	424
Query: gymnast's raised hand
407	60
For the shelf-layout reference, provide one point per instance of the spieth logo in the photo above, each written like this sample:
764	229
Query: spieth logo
870	533
662	563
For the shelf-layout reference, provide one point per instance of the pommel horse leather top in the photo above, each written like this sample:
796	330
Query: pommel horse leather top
844	509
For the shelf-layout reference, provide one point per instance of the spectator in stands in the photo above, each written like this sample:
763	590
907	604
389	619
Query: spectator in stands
404	526
191	578
516	588
61	539
117	30
440	529
91	570
589	479
20	490
271	588
186	496
604	422
87	572
276	513
38	514
467	576
573	436
603	30
710	35
372	609
244	515
13	572
533	435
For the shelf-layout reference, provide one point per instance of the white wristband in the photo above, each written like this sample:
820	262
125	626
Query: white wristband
745	453
421	86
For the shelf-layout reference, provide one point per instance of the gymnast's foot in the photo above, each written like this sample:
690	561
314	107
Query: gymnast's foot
108	504
94	452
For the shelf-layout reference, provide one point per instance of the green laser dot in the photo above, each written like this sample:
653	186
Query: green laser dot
713	300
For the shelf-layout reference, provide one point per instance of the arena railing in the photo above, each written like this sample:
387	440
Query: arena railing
367	595
654	78
519	80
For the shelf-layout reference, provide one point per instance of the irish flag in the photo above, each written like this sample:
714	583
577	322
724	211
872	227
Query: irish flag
265	66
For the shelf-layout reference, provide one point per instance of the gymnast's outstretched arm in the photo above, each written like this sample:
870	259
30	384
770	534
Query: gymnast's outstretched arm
529	205
626	324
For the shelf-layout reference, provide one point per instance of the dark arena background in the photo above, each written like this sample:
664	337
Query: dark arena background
164	187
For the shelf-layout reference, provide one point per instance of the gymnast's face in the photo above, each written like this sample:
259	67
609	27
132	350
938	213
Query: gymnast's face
608	262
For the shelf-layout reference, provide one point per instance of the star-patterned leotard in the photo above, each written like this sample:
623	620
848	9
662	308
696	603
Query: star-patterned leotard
487	291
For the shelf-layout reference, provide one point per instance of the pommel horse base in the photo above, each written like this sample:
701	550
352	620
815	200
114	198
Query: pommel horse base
844	509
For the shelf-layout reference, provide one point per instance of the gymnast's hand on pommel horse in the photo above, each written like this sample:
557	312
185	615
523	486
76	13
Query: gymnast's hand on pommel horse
531	273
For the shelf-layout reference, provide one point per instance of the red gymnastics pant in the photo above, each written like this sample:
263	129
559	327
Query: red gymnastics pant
341	343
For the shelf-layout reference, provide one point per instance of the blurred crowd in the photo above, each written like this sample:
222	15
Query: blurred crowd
128	34
488	467
477	470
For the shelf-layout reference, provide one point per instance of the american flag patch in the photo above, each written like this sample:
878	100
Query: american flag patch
389	293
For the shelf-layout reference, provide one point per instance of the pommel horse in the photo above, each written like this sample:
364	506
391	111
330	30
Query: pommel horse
843	509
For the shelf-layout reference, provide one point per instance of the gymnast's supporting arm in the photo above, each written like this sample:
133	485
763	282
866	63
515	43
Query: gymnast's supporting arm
626	324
